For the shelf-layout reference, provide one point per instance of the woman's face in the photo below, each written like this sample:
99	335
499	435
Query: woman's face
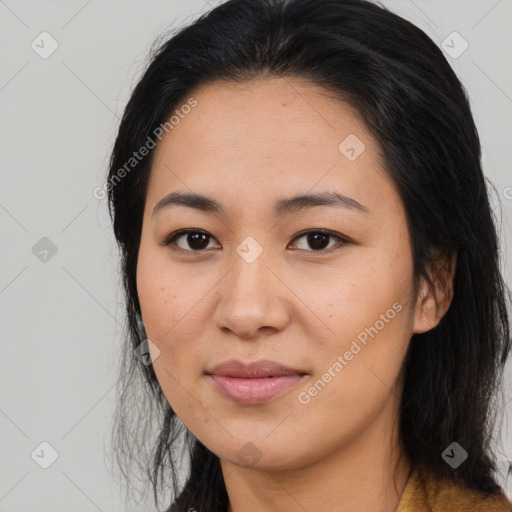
250	286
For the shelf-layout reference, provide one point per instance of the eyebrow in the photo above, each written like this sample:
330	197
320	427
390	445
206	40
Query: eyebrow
282	207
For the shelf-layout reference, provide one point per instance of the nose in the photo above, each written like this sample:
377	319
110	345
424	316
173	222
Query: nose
253	300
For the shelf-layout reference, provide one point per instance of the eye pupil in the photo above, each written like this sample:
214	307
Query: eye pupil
316	239
197	238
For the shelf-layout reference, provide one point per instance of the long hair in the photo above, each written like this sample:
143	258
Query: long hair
417	109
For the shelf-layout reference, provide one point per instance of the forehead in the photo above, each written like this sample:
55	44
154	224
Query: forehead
254	113
281	134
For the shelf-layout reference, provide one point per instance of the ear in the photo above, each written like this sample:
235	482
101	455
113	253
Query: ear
432	304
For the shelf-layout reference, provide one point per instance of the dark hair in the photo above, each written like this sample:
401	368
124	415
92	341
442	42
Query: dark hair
417	109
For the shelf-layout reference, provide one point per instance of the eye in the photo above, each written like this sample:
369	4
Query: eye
197	240
318	240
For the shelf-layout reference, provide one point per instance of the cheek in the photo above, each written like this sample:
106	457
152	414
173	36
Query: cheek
174	308
354	295
169	295
366	305
170	309
357	367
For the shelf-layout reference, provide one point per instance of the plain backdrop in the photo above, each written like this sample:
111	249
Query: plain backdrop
60	304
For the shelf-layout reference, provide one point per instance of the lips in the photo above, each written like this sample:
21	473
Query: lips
256	369
255	382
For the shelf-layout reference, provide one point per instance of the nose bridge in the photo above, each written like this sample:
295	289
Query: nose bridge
250	275
250	294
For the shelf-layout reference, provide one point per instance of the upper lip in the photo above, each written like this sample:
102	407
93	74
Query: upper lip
255	369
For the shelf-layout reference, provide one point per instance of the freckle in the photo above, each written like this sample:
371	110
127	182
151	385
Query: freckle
330	316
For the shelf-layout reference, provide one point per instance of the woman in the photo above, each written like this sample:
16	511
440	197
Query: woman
311	266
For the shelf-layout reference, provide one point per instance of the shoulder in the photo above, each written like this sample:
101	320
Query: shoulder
426	492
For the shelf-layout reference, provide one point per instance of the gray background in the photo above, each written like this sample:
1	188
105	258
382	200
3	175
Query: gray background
61	318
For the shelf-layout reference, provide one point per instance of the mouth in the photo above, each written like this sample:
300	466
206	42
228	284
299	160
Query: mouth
253	383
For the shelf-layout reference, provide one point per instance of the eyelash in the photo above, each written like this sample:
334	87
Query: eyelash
168	241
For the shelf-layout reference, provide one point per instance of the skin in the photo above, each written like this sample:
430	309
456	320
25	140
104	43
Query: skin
247	146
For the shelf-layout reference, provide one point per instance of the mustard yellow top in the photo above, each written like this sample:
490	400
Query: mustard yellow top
425	492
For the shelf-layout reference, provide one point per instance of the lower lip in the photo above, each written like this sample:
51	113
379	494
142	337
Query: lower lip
254	391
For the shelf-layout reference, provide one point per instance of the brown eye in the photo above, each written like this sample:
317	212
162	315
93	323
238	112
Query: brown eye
196	241
190	240
318	240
